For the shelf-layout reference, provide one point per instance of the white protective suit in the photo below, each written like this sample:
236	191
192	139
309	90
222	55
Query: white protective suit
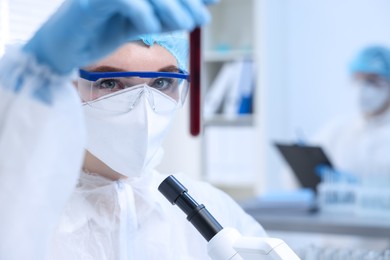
42	137
358	146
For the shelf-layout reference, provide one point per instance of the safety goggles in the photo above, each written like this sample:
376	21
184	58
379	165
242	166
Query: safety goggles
94	87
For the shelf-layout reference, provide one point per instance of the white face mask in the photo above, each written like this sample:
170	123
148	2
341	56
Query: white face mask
127	142
373	98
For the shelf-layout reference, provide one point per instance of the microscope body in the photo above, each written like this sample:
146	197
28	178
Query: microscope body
223	243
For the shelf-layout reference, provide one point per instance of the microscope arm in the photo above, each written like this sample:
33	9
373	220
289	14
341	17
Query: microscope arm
228	244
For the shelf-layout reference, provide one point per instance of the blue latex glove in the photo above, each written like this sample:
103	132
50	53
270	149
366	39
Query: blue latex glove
325	171
82	31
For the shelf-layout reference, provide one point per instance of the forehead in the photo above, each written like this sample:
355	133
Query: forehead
137	56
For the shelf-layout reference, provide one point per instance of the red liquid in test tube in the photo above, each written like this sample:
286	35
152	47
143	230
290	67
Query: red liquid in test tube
195	94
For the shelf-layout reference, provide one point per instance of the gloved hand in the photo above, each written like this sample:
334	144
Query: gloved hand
328	172
82	31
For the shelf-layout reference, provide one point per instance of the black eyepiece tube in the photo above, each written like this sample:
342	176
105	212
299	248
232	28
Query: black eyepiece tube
197	214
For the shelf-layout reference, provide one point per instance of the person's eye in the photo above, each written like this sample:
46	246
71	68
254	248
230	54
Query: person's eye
163	83
109	84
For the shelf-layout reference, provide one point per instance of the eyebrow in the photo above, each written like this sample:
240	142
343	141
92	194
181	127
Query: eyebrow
170	68
105	69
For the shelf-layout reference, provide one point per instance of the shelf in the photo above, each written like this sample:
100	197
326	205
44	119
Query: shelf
341	224
224	56
221	120
229	158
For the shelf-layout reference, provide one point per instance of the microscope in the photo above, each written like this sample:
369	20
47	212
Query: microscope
223	243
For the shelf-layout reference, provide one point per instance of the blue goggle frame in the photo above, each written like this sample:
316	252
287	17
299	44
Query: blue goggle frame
93	76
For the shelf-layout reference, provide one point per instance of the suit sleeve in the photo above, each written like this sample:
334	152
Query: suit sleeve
41	149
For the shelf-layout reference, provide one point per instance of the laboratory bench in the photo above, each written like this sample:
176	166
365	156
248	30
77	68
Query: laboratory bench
324	222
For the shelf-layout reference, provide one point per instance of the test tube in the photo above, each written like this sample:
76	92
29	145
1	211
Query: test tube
195	88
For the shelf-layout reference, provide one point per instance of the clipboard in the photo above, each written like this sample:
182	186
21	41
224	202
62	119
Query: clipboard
303	161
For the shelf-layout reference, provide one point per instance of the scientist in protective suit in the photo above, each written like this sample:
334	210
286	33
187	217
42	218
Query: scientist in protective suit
361	145
77	178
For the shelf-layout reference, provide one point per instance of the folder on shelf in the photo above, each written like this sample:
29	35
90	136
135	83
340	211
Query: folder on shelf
231	103
231	92
247	86
241	89
218	89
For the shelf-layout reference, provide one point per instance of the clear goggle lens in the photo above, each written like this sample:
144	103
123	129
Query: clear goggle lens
96	88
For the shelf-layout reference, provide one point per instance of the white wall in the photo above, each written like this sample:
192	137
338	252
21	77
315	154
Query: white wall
306	48
323	37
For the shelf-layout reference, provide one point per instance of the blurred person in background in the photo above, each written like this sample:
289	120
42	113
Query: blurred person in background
361	145
358	147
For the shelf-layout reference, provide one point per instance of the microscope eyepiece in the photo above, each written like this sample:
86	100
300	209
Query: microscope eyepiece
172	189
197	214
